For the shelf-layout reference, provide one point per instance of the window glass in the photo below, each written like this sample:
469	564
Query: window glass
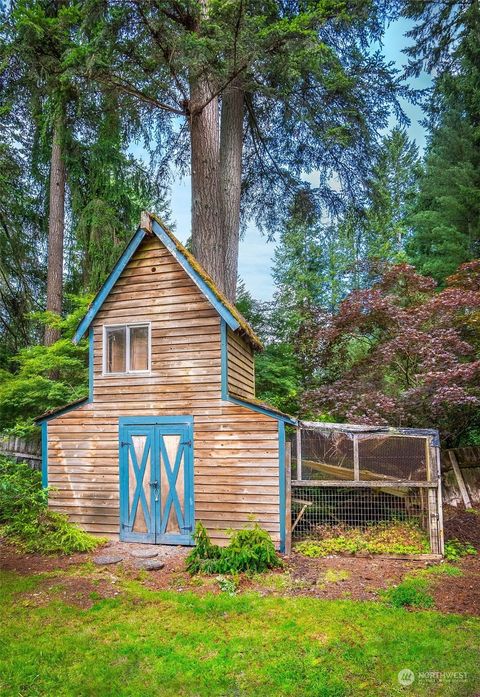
138	348
116	350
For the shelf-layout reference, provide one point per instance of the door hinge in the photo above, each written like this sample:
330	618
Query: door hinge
186	442
123	442
187	527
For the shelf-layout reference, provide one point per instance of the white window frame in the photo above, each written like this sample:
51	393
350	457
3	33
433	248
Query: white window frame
127	326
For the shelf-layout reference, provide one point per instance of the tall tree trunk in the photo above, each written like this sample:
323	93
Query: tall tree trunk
56	227
231	144
207	233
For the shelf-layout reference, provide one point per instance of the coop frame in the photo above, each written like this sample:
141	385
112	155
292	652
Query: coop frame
431	483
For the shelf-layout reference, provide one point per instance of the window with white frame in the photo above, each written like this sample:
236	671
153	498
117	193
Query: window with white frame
126	348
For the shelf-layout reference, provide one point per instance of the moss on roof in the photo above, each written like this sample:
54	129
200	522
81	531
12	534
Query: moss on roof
56	410
260	403
245	327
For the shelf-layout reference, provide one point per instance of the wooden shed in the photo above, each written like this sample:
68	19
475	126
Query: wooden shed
171	432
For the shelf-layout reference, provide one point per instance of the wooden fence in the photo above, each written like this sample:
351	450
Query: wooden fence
461	476
22	449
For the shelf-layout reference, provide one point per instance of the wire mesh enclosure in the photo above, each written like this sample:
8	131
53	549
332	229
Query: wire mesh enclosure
381	482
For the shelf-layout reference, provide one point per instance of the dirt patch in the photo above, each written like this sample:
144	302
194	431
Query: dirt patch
13	560
72	590
329	578
459	594
462	525
336	577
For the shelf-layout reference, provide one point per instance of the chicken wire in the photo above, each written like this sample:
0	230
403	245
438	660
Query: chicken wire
352	477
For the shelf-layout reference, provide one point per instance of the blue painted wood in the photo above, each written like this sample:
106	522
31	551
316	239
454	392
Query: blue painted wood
281	474
223	311
130	467
224	358
156	429
172	473
90	364
109	283
44	454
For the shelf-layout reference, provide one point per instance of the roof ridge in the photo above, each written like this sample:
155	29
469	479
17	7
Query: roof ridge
244	324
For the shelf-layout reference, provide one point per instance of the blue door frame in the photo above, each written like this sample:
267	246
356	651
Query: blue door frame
156	484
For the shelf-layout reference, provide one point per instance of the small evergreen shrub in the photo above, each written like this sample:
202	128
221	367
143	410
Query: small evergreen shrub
26	520
249	550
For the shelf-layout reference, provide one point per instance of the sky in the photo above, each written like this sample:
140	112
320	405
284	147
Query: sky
256	252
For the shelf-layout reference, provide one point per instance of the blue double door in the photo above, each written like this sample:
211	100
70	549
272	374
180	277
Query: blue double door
156	480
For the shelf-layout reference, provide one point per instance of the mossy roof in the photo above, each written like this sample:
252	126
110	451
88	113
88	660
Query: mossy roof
245	327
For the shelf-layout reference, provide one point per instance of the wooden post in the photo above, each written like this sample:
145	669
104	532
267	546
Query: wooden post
356	465
288	498
299	453
441	537
461	484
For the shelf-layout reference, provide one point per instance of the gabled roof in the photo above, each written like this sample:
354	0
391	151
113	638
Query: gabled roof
152	225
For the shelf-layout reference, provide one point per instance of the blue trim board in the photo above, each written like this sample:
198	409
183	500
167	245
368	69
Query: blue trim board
109	283
90	364
44	454
224	359
281	474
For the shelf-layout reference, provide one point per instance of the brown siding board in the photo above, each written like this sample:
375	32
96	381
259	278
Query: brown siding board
235	449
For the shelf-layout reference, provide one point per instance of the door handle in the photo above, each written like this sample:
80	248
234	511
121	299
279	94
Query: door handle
154	484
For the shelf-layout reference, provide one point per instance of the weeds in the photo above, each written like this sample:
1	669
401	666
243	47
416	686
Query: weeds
455	550
385	538
413	591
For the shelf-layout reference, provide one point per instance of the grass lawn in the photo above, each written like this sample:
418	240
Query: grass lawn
154	643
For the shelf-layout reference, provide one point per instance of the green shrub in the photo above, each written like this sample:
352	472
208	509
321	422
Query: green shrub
26	520
411	592
50	533
455	550
20	490
250	550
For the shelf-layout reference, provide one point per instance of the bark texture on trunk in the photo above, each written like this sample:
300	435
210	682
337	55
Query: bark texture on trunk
56	227
231	144
207	234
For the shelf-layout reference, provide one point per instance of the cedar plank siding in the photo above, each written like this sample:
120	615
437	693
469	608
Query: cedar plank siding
241	370
235	448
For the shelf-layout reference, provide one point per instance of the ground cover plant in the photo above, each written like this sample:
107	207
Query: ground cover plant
251	550
168	643
26	520
382	538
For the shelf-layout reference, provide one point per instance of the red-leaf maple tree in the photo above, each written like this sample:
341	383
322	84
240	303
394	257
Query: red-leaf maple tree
405	354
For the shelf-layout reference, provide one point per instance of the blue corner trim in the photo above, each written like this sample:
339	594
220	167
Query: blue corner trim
195	276
224	359
281	474
90	364
109	283
44	454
